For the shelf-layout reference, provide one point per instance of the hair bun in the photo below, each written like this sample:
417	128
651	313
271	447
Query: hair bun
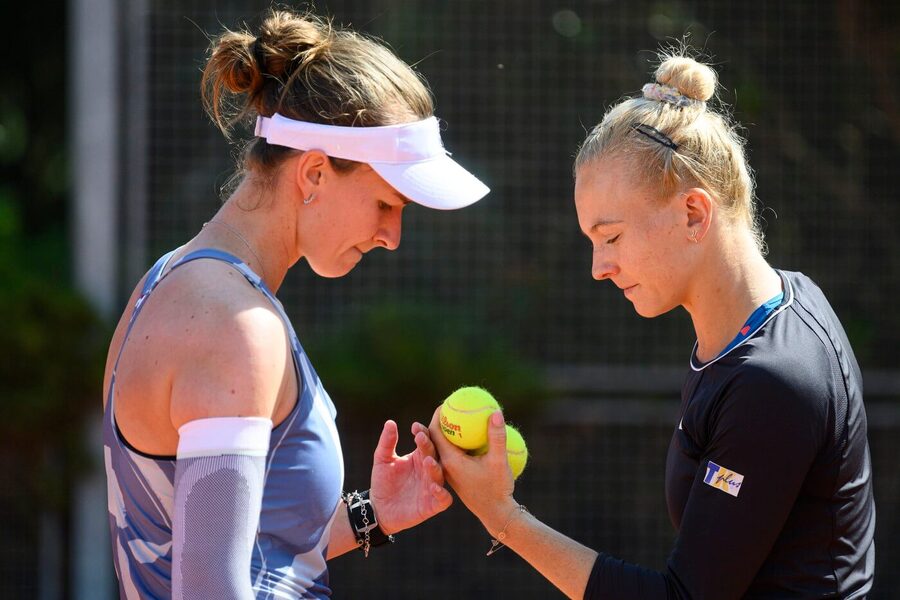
290	41
232	57
306	68
691	78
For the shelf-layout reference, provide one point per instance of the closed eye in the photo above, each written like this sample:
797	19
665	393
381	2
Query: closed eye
613	240
382	205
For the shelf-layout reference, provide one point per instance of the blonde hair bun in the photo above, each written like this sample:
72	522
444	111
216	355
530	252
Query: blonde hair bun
691	78
673	139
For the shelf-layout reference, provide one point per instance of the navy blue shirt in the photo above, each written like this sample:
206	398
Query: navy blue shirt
768	475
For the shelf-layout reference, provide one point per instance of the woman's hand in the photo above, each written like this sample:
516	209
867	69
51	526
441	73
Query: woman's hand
406	490
484	483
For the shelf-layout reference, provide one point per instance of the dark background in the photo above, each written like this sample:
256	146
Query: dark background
498	294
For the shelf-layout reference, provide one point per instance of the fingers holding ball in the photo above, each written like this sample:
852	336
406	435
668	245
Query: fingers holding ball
516	451
464	418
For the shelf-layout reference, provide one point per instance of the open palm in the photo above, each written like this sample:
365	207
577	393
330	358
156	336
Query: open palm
409	489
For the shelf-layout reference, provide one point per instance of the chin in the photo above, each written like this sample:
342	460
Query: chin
335	269
649	311
332	272
645	313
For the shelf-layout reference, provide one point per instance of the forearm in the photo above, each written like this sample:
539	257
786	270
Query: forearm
342	539
563	561
218	490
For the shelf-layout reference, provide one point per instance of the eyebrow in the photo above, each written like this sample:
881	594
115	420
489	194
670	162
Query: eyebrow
604	223
599	224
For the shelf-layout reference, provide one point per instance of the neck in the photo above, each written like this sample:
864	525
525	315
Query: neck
732	286
254	231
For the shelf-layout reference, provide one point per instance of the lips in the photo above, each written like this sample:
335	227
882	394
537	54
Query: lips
356	253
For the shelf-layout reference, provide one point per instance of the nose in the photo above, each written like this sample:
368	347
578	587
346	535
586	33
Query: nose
602	268
389	230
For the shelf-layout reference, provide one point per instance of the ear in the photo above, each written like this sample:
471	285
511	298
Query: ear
699	208
312	170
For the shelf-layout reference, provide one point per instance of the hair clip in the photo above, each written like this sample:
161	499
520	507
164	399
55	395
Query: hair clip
654	134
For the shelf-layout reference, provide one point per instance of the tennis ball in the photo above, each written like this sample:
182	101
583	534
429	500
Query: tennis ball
516	451
464	416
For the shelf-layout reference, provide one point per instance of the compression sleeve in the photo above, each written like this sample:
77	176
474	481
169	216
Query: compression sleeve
764	437
219	479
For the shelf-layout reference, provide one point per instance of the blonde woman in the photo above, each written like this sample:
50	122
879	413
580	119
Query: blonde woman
224	466
768	478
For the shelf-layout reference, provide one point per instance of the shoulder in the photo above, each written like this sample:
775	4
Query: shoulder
802	286
792	355
226	344
771	393
776	378
810	307
118	337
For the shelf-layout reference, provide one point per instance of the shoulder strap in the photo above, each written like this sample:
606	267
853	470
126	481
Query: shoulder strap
150	283
155	273
154	276
158	273
256	281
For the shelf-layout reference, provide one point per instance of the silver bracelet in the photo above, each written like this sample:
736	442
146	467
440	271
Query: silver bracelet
364	522
497	543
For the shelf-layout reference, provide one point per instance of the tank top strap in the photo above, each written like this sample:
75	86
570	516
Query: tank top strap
158	272
254	280
154	276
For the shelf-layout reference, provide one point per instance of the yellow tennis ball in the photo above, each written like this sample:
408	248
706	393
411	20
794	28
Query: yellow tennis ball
464	416
516	451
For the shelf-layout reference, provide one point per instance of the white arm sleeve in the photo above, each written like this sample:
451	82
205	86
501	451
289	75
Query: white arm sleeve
219	479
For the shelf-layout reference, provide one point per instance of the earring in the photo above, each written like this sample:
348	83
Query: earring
693	236
309	199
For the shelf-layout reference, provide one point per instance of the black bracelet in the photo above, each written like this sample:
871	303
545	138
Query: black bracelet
363	522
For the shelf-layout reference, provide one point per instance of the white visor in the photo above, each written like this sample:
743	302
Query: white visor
410	156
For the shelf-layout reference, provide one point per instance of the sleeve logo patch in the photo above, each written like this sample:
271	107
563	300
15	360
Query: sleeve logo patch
723	479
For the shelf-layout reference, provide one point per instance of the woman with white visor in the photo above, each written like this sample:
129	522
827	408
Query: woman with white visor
224	466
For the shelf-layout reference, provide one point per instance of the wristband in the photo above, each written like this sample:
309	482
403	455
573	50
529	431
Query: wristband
363	521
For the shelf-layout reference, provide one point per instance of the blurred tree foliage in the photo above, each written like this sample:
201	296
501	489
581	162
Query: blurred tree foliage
52	345
50	339
402	359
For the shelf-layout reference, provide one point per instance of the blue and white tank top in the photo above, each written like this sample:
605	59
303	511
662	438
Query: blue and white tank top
304	478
